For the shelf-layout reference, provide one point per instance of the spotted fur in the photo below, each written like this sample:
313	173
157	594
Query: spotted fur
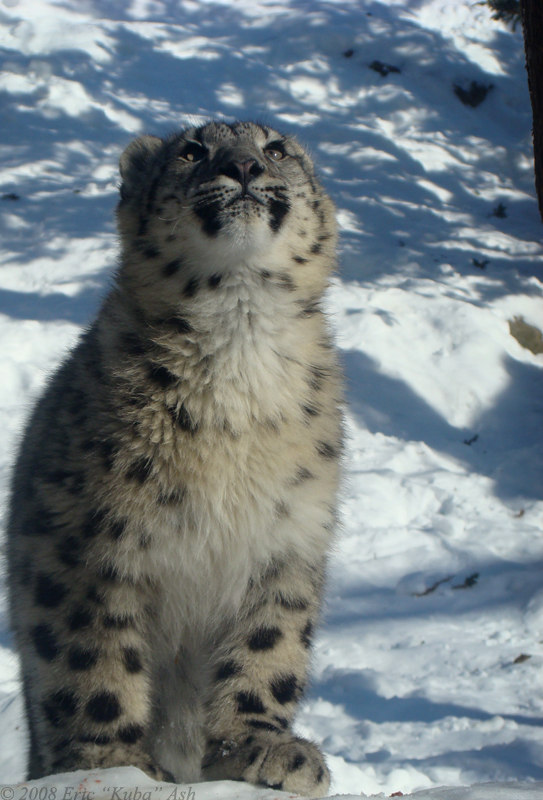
173	502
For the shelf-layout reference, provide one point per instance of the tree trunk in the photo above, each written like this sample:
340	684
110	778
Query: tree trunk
532	26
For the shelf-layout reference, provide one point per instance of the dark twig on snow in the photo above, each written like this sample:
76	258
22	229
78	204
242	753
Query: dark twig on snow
383	69
473	96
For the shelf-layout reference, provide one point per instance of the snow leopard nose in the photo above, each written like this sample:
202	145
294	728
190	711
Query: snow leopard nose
243	171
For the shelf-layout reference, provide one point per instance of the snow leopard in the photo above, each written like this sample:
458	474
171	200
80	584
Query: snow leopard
174	501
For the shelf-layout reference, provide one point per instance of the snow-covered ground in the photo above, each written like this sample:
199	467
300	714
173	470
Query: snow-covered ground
128	783
429	668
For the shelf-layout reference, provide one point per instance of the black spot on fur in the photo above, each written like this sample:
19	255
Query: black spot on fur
284	688
302	475
117	528
162	376
281	509
227	670
317	376
172	267
210	216
264	726
284	281
140	470
132	344
306	634
265	274
49	593
249	703
108	573
212	742
264	639
108	449
77	483
320	774
326	450
283	721
43	523
52	715
81	658
177	324
214	281
297	762
59	705
92	523
93	595
310	307
95	738
144	541
130	733
198	134
300	259
279	208
159	773
61	745
150	251
134	400
81	617
24	571
45	642
291	603
57	476
114	622
132	660
72	482
316	248
103	707
310	410
182	419
272	425
273	570
66	762
213	752
253	755
69	551
191	287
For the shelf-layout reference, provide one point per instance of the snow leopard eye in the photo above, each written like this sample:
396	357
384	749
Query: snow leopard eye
275	151
192	152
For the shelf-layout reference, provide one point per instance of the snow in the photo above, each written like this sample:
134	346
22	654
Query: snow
428	669
129	783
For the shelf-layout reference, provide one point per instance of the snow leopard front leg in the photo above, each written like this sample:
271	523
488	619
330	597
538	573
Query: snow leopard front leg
258	682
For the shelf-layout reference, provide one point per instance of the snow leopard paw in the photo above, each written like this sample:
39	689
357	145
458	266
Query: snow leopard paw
284	762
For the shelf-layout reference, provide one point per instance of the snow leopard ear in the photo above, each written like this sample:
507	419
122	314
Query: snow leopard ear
136	159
